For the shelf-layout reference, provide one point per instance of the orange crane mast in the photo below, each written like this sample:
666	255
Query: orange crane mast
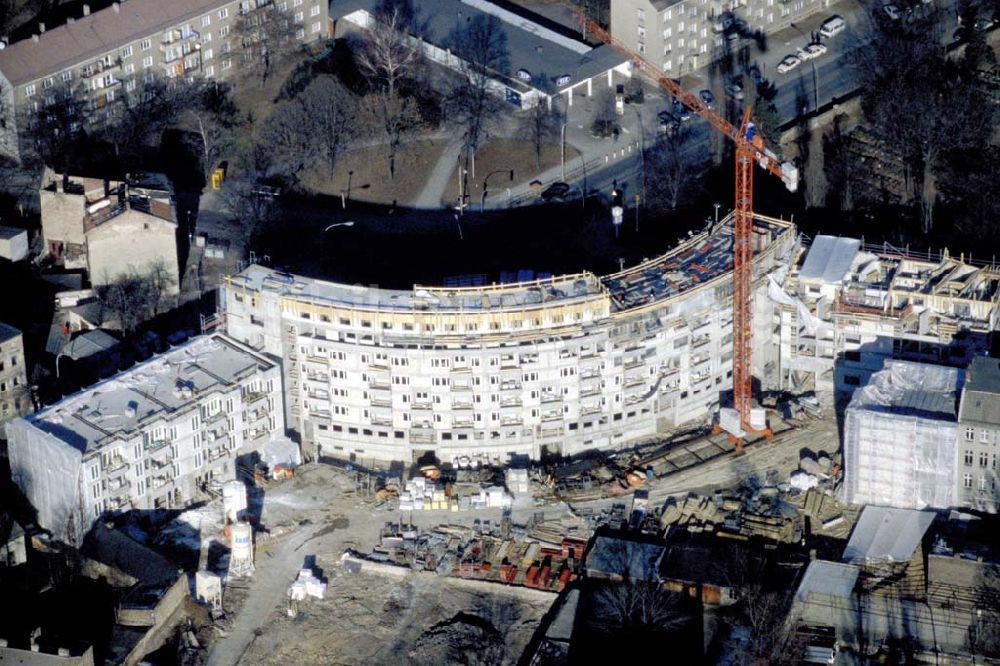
749	149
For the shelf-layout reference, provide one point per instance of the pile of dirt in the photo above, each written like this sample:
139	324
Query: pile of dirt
464	639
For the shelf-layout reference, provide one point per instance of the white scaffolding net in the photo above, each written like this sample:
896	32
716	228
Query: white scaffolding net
900	437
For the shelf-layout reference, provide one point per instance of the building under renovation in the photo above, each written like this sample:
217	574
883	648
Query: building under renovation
559	364
844	309
900	437
148	438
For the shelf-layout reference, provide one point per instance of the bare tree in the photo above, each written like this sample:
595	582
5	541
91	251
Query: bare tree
162	281
605	116
919	106
679	163
388	55
285	133
137	120
331	111
214	119
267	34
246	207
389	59
984	634
542	125
130	298
53	132
481	46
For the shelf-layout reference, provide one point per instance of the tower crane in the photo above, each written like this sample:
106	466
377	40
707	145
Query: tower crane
749	149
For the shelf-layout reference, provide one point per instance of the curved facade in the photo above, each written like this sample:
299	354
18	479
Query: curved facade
562	364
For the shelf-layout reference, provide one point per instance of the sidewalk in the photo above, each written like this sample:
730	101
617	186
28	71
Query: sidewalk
437	181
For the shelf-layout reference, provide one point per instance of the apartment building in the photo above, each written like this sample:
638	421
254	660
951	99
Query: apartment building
979	437
557	364
844	309
681	36
149	438
14	398
104	55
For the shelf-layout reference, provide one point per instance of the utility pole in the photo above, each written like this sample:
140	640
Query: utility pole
637	200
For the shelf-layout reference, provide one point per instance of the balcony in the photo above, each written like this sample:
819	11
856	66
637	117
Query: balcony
589	391
379	384
510	386
251	397
461	423
382	421
548	397
422	436
634	362
552	432
511	421
213	418
421	405
634	380
155	445
552	416
510	402
380	402
461	404
461	386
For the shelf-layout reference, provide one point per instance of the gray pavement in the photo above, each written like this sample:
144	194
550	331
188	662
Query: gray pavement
437	181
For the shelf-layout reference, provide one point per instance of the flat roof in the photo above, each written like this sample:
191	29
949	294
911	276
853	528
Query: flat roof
533	48
88	37
886	534
89	343
121	405
562	289
636	560
829	259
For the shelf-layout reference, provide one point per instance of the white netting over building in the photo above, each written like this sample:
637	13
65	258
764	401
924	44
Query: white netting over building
900	437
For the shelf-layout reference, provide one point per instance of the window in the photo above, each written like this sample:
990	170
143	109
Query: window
29	90
67	76
223	13
967	480
968	457
982	483
641	14
316	27
130	85
984	435
206	21
299	17
127	52
147	61
146	44
224	31
314	11
226	64
300	33
970	434
296	3
47	83
206	55
984	459
130	68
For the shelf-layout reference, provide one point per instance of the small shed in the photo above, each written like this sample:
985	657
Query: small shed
13	243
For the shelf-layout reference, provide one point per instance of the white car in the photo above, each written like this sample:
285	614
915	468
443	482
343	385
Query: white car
811	51
788	63
892	11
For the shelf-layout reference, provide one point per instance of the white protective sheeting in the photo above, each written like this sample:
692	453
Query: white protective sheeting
281	450
48	472
900	437
829	259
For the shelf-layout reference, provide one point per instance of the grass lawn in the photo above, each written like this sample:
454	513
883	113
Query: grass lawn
370	179
505	154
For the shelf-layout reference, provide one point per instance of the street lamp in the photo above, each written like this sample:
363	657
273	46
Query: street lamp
482	200
349	223
812	63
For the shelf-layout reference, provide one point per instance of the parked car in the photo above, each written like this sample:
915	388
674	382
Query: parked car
707	97
735	91
788	63
892	11
811	51
555	191
832	26
668	122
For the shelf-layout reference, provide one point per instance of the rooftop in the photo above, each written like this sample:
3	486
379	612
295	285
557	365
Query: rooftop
920	390
829	259
89	343
7	332
534	49
118	407
885	534
7	233
981	398
92	36
566	288
830	578
624	557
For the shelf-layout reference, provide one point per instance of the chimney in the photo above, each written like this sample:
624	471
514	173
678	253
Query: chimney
86	10
34	38
117	7
41	28
70	19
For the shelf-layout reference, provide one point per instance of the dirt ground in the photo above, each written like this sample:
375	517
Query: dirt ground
505	154
370	178
373	619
